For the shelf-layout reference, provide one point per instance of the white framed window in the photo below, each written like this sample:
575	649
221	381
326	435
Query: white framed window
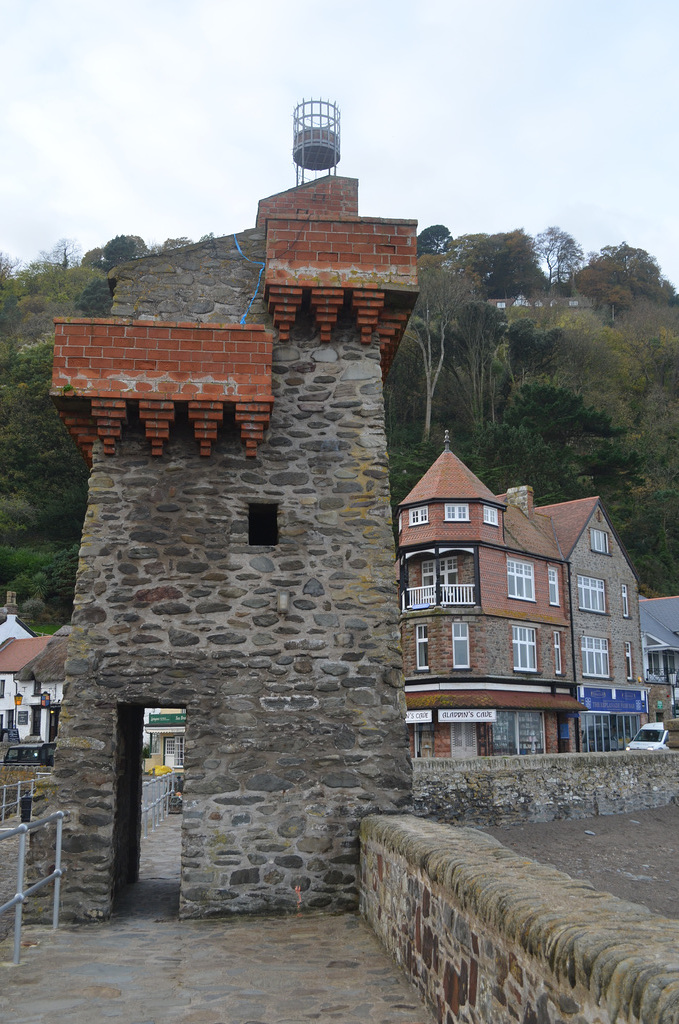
599	541
447	571
154	743
400	521
525	649
460	645
591	594
520	580
2	687
553	577
422	648
428	574
460	512
594	656
628	660
557	653
490	515
420	515
625	601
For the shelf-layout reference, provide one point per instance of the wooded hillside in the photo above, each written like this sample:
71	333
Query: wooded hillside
572	389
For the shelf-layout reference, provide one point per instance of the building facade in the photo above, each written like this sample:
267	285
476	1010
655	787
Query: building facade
660	638
513	642
606	637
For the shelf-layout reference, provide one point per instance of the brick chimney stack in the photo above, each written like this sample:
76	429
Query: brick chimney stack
521	497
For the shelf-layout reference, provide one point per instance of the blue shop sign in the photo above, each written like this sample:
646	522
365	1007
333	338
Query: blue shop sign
602	698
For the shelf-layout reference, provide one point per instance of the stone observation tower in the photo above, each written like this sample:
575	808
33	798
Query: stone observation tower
237	555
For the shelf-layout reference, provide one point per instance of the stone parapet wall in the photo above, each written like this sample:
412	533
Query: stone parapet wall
489	937
502	790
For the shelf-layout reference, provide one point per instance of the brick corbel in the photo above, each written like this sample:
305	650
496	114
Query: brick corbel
206	417
83	430
325	305
284	303
253	418
156	415
390	327
368	305
109	414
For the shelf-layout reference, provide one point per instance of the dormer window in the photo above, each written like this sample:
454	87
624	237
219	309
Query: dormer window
457	513
490	515
418	516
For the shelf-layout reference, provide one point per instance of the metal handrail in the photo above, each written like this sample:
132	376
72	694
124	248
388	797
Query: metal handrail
17	901
14	802
156	794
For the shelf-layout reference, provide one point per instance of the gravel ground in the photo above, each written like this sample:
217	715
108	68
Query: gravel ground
634	855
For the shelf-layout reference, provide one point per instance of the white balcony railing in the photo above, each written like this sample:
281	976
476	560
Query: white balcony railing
451	594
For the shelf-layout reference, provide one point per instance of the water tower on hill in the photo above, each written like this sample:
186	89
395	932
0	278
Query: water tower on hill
315	138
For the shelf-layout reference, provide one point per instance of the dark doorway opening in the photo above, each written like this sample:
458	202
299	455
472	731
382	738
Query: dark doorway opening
147	835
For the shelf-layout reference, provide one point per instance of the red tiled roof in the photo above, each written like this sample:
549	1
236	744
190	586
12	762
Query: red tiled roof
448	478
494	699
534	534
570	519
18	652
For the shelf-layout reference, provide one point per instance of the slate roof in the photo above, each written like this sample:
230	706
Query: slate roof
494	699
449	478
660	617
17	652
569	519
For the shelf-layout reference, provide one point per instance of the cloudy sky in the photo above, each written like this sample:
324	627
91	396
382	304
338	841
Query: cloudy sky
166	118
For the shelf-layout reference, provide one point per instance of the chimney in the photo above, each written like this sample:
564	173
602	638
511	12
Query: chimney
521	497
11	606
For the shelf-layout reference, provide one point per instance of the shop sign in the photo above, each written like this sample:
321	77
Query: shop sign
22	717
168	718
606	698
417	716
471	715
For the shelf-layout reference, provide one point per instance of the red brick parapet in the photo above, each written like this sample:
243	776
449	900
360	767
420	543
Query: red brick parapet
101	365
321	253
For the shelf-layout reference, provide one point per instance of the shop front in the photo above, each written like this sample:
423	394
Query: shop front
613	717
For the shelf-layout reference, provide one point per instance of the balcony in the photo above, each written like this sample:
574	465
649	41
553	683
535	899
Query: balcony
451	594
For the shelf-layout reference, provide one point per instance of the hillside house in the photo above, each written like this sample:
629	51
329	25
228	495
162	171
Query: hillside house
494	593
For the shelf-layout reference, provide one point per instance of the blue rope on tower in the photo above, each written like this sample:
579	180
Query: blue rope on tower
259	279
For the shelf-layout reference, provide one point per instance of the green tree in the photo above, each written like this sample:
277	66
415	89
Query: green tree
95	298
502	265
560	253
433	241
475	357
618	275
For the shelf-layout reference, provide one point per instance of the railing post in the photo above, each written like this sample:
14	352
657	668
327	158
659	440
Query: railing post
18	910
57	871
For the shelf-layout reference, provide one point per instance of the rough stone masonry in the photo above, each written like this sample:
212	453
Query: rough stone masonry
237	557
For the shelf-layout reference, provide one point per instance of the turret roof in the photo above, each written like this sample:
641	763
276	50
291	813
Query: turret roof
449	478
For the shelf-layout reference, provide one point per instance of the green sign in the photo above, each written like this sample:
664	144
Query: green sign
176	718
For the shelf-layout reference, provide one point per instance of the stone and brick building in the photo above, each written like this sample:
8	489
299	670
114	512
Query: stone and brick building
236	559
493	594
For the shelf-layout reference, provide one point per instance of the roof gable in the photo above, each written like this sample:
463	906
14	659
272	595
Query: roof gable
569	518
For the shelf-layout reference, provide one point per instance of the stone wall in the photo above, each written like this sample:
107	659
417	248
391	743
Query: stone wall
295	723
489	937
502	790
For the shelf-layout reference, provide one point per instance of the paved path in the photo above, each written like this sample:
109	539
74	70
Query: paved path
146	967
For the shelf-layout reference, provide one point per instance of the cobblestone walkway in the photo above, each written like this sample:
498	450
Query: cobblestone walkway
146	967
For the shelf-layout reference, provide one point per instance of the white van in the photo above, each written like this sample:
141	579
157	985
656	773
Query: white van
650	737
